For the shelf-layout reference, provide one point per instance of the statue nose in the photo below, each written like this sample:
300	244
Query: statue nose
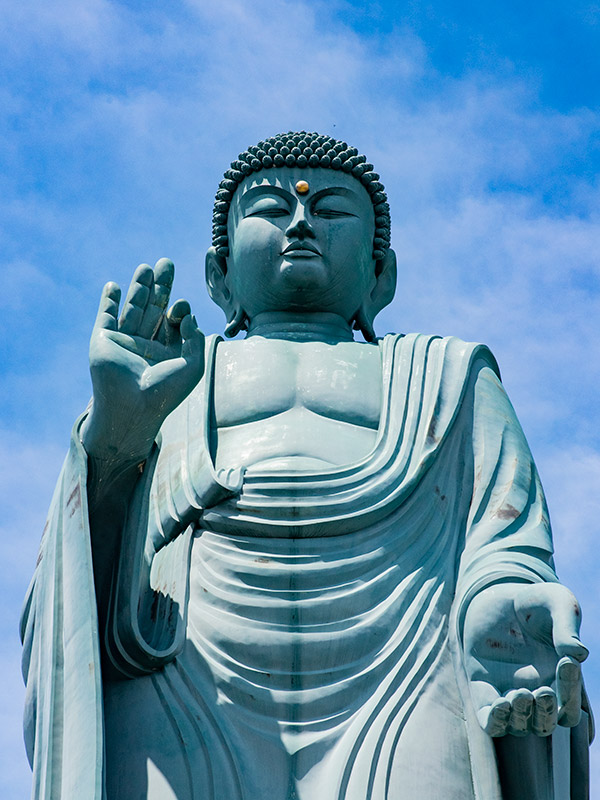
300	230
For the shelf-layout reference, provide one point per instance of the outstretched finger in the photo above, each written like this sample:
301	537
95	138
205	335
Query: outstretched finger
136	300
179	310
169	332
495	716
568	689
545	711
193	339
108	310
492	710
521	710
164	272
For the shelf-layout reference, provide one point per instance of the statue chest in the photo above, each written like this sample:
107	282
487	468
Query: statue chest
311	402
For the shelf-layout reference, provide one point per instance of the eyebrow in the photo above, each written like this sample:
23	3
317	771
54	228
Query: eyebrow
267	188
264	188
339	190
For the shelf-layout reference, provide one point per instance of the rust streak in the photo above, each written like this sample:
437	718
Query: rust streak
73	494
508	512
75	498
431	437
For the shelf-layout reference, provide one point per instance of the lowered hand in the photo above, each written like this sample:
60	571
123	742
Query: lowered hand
523	657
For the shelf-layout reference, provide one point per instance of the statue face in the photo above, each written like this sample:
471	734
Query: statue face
299	251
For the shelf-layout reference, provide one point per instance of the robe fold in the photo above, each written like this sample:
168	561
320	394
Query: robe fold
295	635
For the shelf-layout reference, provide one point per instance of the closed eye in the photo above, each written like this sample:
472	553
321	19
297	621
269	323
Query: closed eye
269	213
330	213
269	207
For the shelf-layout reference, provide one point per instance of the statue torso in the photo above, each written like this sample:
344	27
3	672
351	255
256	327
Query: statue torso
295	405
304	645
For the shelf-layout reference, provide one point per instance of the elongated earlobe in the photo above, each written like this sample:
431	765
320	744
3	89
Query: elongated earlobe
216	283
237	323
381	295
363	324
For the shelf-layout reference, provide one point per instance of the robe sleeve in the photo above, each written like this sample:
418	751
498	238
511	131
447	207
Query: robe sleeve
508	536
63	722
148	614
508	539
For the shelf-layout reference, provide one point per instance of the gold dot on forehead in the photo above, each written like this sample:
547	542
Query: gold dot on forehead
302	187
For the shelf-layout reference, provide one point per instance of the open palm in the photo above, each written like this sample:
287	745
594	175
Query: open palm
523	654
143	363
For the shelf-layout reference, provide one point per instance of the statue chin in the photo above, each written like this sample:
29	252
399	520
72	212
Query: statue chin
304	275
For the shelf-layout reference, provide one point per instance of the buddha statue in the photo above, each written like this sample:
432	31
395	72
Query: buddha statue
295	565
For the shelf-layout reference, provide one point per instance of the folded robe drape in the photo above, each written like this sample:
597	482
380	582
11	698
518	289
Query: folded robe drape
444	412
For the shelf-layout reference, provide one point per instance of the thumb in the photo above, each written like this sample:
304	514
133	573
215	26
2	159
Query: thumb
551	604
193	345
566	621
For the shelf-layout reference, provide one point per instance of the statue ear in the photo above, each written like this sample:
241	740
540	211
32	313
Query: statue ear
381	295
219	291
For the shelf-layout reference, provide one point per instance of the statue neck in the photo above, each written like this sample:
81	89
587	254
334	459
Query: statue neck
303	327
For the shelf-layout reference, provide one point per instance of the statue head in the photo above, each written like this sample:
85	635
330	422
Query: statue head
301	223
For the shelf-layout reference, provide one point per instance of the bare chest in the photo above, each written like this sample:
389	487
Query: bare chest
277	399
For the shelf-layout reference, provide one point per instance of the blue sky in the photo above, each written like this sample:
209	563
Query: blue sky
118	119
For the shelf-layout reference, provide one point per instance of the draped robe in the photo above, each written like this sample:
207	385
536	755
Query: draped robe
296	635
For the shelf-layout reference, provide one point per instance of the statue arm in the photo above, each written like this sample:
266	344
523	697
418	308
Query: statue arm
508	531
519	627
143	363
110	484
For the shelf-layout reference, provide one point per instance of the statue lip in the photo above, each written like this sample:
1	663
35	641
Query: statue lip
306	246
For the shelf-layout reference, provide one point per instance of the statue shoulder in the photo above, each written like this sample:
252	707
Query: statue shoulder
446	353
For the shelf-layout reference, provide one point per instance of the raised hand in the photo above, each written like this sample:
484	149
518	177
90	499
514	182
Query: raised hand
143	363
523	657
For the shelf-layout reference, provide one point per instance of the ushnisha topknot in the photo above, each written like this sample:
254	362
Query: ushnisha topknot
301	149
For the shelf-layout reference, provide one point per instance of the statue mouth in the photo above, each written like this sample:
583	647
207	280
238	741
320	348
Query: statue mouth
299	248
